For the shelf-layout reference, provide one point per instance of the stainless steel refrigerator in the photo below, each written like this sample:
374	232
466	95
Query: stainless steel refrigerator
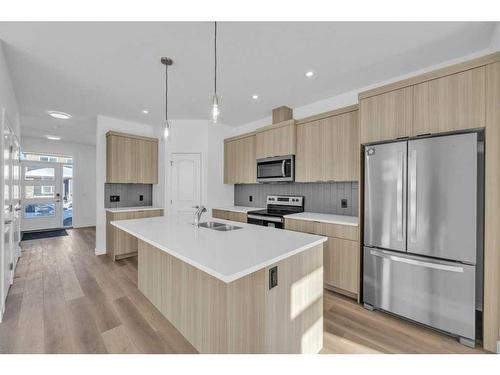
423	235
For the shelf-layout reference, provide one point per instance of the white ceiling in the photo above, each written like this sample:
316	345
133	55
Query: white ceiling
114	69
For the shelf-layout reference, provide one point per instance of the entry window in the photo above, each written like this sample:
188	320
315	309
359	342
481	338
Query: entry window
38	210
39	174
39	191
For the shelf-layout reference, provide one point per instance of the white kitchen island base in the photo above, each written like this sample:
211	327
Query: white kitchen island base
242	316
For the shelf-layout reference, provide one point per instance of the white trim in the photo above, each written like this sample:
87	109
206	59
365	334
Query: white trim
99	251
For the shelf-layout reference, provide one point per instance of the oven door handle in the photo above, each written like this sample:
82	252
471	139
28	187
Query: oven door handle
283	167
265	218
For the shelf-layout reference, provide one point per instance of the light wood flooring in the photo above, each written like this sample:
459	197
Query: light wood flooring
66	300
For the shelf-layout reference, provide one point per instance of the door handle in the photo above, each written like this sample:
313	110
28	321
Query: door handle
415	262
283	168
399	193
413	195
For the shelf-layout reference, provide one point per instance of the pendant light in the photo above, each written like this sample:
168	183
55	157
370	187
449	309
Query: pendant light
166	125
215	112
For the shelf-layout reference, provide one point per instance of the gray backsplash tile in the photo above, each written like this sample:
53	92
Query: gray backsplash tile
129	195
324	197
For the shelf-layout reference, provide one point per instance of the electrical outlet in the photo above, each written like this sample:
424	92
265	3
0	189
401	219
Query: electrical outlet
114	198
343	203
273	277
141	197
250	198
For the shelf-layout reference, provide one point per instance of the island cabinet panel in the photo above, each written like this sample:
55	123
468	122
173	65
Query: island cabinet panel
239	161
327	149
453	102
386	116
341	253
276	140
229	215
131	159
243	316
119	244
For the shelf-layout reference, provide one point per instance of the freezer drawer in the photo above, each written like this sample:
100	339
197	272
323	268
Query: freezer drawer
436	293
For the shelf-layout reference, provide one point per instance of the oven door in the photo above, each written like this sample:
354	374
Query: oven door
279	168
265	221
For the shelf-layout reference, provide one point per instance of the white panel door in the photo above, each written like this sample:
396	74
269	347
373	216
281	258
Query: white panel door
185	183
41	195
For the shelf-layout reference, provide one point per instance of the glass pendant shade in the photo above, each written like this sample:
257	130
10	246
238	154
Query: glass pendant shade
215	111
166	129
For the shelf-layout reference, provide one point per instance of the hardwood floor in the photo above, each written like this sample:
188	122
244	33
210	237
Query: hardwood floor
66	300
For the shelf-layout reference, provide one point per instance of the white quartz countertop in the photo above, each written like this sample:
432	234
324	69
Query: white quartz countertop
325	218
242	209
130	209
227	256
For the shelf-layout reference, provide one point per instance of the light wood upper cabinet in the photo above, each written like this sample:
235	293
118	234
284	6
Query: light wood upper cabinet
386	116
453	102
276	140
239	161
328	149
131	159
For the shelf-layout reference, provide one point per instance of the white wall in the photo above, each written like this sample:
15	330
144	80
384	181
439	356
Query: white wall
495	38
7	96
351	97
105	124
84	174
201	136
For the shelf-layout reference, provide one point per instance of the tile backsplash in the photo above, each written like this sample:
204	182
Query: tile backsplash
129	195
319	197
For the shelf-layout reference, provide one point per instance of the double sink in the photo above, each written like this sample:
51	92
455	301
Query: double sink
221	227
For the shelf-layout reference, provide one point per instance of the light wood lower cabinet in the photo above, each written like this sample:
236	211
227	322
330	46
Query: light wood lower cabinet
119	244
229	215
340	255
341	263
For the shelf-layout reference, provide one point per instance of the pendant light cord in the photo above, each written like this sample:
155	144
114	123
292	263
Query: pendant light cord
215	58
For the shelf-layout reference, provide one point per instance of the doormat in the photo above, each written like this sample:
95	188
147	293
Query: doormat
44	234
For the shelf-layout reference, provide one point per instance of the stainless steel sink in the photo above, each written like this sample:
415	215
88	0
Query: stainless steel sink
221	227
211	224
226	227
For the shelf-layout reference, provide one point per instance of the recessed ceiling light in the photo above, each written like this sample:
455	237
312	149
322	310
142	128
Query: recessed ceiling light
145	111
59	115
53	137
309	74
255	96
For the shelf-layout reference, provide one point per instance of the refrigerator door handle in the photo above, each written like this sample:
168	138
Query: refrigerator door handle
415	262
400	196
412	205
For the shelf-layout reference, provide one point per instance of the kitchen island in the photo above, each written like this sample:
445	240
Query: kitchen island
247	290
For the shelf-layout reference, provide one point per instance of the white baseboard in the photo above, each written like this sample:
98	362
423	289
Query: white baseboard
99	251
83	226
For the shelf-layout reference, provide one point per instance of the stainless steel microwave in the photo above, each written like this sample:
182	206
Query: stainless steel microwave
276	169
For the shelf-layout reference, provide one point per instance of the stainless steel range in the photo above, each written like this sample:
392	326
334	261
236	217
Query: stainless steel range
277	207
